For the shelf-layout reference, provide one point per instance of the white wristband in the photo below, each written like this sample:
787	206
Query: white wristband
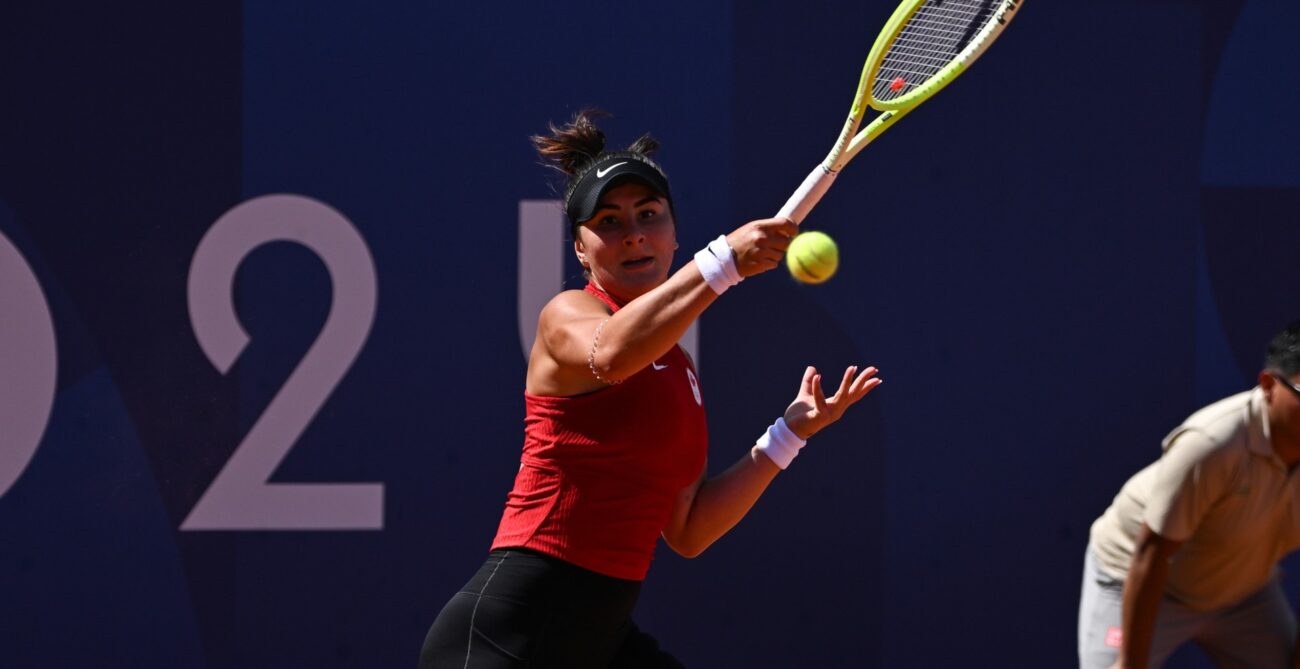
718	265
722	251
780	444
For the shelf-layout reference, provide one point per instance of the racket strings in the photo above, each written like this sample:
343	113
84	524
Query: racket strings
937	32
944	27
934	36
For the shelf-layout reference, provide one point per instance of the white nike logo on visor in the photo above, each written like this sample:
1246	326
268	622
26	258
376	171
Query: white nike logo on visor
658	366
600	173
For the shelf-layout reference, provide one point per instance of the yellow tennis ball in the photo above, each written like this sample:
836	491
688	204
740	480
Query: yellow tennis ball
812	257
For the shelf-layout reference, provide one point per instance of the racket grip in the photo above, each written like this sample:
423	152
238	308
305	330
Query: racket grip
809	193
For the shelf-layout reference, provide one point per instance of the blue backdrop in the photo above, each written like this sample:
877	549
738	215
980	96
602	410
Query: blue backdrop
280	241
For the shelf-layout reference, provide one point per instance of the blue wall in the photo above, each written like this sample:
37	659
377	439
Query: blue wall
1052	264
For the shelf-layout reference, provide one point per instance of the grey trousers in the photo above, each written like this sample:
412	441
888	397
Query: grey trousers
1258	632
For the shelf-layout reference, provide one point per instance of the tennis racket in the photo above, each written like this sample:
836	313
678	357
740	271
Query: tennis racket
924	46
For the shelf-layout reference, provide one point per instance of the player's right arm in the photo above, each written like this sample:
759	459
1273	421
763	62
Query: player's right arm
564	358
1143	590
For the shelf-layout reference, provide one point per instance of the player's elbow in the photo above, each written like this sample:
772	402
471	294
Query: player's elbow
611	371
610	363
690	552
686	546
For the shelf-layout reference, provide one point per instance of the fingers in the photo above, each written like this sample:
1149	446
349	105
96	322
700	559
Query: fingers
807	421
861	385
760	245
784	227
807	386
864	382
776	233
835	406
771	255
846	381
780	232
867	386
853	387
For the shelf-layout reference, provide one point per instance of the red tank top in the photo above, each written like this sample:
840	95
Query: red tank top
600	472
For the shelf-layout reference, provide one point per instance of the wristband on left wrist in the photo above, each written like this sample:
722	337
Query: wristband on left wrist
780	444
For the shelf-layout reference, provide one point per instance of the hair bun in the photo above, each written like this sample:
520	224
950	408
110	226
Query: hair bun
572	147
644	145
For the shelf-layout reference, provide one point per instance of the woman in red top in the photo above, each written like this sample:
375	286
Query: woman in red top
615	439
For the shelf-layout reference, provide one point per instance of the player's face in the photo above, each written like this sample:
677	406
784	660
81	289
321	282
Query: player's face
628	245
1283	406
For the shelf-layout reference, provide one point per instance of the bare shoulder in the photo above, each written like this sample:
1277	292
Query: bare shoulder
557	365
570	310
571	305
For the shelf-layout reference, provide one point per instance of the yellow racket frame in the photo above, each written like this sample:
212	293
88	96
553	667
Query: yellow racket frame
895	109
851	140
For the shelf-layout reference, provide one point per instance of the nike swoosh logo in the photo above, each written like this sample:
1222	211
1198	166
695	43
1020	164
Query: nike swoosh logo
658	366
600	173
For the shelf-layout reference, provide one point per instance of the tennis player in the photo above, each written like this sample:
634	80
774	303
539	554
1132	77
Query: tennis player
1188	550
615	438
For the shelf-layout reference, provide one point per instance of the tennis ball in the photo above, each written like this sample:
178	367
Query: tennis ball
812	257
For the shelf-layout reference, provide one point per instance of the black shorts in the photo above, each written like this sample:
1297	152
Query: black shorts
523	609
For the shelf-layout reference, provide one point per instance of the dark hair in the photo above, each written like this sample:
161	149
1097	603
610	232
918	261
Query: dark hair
575	147
1284	351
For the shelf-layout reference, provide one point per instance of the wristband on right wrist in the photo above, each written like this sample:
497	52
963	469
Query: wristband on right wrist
780	444
717	265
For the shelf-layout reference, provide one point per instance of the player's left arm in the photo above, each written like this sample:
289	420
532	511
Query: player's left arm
710	507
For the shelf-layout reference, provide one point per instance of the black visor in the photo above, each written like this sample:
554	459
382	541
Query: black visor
584	196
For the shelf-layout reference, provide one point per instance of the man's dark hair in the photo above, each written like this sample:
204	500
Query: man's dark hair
1284	351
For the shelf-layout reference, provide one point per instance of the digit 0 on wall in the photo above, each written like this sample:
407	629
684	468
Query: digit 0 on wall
28	364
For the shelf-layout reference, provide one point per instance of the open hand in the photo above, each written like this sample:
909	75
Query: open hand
812	410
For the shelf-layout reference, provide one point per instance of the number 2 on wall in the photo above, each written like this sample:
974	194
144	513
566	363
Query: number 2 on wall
241	498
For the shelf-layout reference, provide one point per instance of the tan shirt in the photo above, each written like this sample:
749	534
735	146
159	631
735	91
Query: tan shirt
1220	489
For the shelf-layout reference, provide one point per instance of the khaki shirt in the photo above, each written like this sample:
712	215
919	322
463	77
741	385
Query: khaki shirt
1219	488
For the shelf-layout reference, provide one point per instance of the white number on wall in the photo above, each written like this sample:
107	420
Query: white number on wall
240	497
542	250
28	364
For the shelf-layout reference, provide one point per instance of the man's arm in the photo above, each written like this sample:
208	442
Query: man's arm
1143	590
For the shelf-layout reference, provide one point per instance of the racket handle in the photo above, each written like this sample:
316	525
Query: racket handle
809	193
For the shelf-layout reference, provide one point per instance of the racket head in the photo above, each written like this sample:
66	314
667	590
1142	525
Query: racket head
926	44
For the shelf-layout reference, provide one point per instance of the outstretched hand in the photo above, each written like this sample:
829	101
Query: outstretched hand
812	410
